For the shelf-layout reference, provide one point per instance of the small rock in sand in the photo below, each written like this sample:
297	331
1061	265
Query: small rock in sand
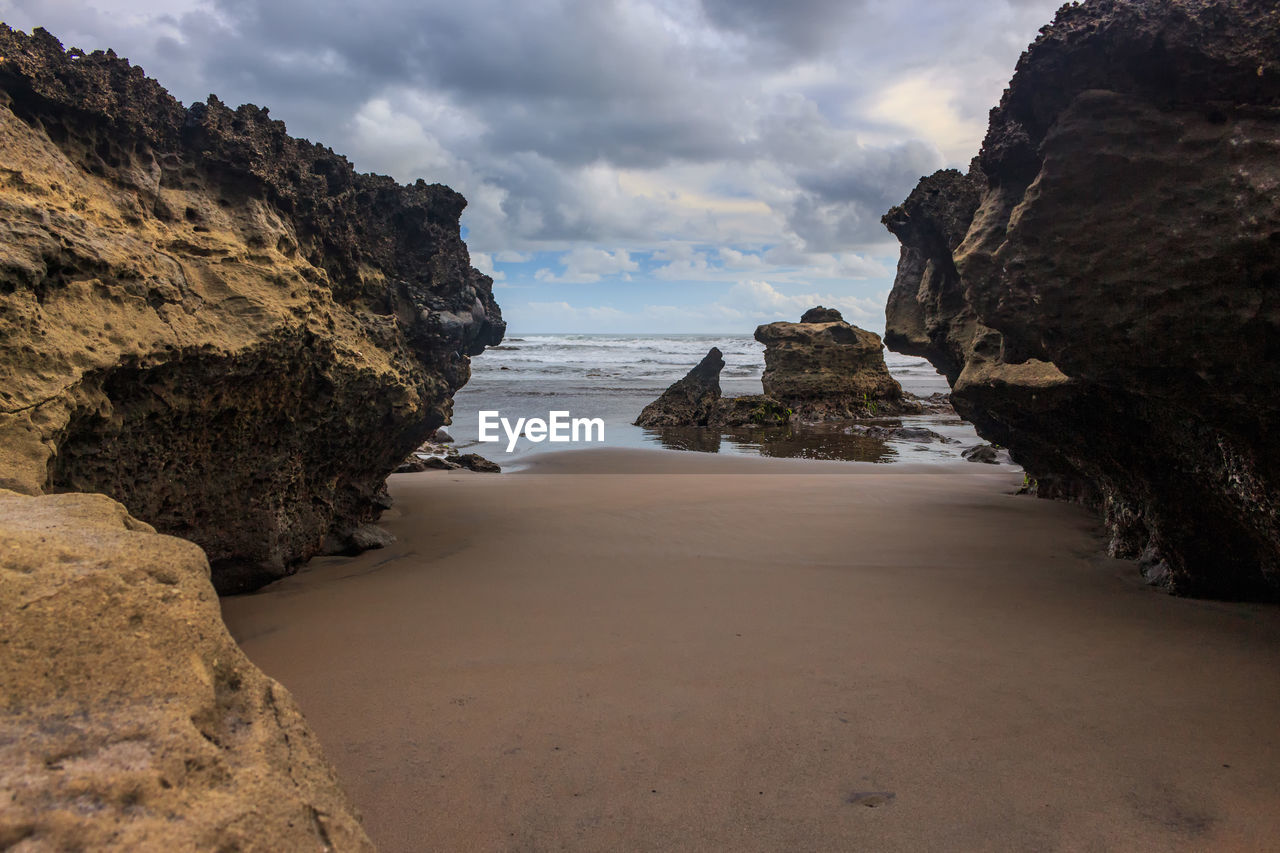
982	453
366	537
476	462
412	465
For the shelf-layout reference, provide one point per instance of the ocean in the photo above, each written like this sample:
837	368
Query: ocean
613	377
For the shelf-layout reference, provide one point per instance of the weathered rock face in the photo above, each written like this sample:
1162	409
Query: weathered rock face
750	410
819	369
828	369
692	400
983	453
223	327
129	718
695	401
1101	289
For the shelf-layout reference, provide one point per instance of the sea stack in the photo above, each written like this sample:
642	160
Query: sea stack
1121	334
695	401
826	369
692	400
224	328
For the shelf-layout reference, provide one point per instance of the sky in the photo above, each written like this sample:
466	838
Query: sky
675	166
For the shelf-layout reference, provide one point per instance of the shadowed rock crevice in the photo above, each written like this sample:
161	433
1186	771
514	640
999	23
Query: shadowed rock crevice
157	429
1100	288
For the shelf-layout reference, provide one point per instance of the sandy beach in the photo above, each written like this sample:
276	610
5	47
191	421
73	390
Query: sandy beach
647	650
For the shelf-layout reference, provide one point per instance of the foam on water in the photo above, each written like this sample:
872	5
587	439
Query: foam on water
615	376
632	358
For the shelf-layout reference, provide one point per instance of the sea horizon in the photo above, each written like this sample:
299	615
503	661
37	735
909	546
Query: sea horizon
613	376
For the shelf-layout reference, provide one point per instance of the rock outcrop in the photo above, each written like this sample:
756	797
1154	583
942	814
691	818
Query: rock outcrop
983	453
695	401
225	328
750	410
917	435
1101	288
129	718
825	369
821	315
820	369
691	401
476	462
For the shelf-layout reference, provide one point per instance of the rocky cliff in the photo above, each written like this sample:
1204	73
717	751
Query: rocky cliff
1101	287
225	328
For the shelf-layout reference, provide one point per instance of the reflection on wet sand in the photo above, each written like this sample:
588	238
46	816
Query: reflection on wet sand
880	440
805	441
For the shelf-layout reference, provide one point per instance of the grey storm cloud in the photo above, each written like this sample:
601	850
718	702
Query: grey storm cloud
798	26
541	110
841	201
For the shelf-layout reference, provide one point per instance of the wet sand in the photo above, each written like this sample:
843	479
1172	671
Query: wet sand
774	655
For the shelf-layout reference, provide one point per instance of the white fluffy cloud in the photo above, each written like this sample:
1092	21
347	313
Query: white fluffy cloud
738	310
565	317
732	259
590	265
761	300
484	262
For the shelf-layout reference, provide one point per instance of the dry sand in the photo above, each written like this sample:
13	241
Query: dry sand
776	659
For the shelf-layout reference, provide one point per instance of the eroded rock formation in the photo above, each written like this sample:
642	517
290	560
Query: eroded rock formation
750	410
695	401
825	369
821	315
820	369
129	718
690	401
225	328
1101	288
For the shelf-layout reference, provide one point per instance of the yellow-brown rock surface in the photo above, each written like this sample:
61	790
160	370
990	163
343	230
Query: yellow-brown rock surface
129	718
826	369
225	328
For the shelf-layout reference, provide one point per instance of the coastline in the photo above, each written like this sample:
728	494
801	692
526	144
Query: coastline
220	338
656	661
614	377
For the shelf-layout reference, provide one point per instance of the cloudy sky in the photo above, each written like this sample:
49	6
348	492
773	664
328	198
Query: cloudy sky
630	165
